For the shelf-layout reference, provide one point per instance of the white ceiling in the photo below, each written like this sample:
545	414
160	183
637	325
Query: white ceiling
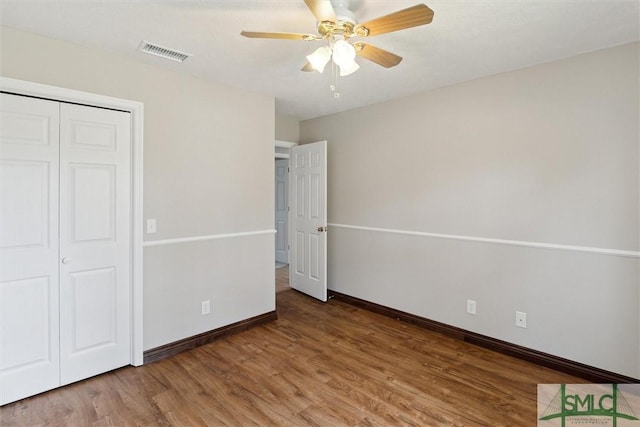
467	39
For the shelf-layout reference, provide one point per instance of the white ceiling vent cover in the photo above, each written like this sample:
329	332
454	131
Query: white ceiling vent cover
163	52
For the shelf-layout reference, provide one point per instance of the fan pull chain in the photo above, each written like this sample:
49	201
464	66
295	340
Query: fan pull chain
334	81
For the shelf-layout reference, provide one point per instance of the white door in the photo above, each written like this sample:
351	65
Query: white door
95	236
29	339
64	244
308	267
282	211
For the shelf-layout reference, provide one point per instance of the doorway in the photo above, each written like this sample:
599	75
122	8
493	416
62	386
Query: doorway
282	212
282	244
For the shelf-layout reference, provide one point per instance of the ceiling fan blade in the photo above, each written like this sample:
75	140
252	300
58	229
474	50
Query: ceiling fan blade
377	55
411	17
307	67
284	36
322	10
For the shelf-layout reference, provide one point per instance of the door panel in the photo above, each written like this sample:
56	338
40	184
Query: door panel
93	307
94	241
314	197
26	124
87	134
300	203
299	251
25	189
314	256
309	219
29	330
92	202
20	350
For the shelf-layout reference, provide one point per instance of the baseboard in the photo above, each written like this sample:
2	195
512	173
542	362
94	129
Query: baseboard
192	342
570	367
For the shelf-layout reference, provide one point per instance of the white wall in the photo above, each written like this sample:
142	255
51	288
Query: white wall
287	128
208	170
547	154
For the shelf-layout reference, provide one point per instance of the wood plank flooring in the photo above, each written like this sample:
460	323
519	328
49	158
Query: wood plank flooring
282	279
319	364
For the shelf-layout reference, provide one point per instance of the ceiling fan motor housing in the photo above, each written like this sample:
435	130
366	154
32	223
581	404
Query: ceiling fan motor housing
343	14
344	24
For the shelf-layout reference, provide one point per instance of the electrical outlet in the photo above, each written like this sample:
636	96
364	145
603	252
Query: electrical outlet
471	306
521	319
151	226
206	307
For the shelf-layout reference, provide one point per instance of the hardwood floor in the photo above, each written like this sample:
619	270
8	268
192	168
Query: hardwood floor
282	279
319	364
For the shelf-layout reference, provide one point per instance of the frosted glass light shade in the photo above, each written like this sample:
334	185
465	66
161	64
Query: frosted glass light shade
343	53
348	68
319	58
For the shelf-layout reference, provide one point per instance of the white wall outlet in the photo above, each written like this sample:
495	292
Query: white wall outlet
206	307
151	226
471	306
521	319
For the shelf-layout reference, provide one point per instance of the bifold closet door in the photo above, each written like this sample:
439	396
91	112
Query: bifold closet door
65	244
95	236
29	330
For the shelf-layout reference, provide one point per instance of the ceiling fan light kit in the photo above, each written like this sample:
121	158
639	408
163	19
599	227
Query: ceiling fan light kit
337	24
349	68
342	53
319	58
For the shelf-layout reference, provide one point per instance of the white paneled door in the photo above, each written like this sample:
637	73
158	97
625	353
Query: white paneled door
282	213
65	244
308	267
29	291
95	146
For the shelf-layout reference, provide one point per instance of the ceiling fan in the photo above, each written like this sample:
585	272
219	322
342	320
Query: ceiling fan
337	25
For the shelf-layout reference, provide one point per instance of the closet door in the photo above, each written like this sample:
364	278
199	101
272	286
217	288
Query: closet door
95	241
29	340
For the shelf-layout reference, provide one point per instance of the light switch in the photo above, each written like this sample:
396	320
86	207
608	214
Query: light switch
151	226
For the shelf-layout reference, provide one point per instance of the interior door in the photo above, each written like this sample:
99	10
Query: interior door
282	210
29	339
95	236
308	267
65	243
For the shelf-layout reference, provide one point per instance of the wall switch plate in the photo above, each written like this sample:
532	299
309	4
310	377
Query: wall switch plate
521	319
471	306
151	226
206	307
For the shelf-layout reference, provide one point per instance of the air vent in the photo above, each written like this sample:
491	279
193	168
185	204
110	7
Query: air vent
163	52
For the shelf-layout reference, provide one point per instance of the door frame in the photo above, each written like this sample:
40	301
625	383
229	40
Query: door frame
282	144
22	87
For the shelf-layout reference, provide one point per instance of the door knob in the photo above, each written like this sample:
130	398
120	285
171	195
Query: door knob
322	229
66	260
